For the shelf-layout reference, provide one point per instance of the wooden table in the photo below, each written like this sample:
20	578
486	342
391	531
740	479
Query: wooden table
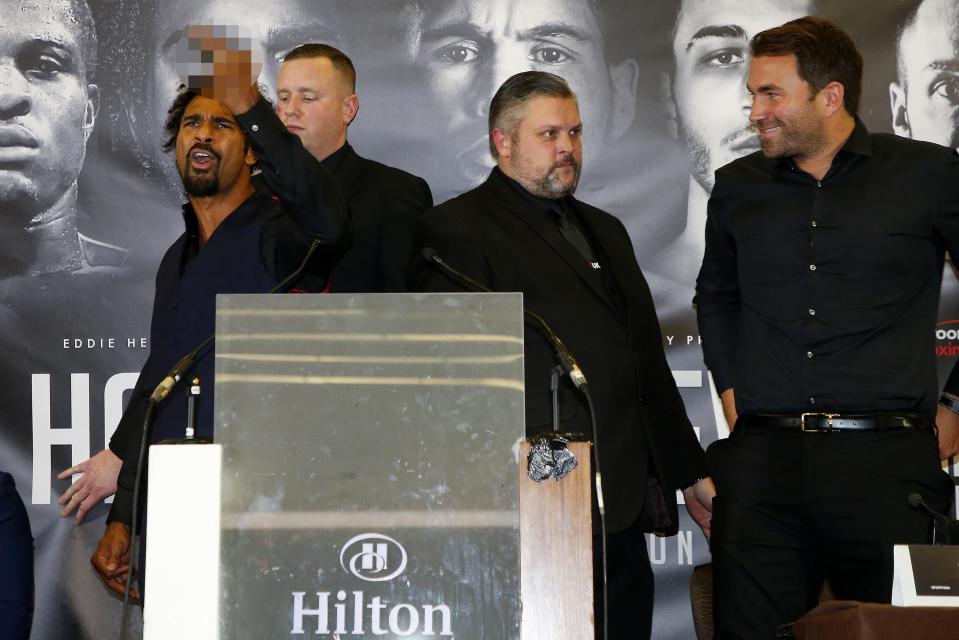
849	620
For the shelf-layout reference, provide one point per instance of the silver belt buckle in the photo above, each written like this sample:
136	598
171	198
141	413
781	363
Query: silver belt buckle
828	416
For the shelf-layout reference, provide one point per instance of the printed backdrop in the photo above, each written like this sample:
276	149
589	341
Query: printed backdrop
661	86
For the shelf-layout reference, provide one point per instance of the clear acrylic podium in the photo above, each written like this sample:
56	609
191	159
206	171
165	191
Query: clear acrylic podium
370	483
370	449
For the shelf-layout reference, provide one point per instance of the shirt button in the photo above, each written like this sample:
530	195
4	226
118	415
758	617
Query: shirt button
812	400
814	223
809	354
812	312
255	128
812	267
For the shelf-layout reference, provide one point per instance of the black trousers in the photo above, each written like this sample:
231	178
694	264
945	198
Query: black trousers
793	509
629	585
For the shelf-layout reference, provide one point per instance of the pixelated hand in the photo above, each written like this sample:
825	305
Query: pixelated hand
99	480
229	69
947	423
699	503
112	558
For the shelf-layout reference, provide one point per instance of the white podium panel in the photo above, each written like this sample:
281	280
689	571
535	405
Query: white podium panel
183	556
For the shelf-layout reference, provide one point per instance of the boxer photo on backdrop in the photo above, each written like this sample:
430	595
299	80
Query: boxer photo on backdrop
467	48
48	106
709	103
925	97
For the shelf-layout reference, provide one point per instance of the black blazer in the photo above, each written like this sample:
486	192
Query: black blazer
494	235
385	204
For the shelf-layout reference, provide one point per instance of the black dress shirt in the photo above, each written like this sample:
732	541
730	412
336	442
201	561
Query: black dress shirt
819	295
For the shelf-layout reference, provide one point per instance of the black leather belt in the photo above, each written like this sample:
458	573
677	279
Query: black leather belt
818	422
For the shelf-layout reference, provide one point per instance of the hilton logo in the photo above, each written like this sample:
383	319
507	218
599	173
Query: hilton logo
373	557
368	557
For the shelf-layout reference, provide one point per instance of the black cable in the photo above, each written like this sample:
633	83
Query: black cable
134	538
563	354
598	479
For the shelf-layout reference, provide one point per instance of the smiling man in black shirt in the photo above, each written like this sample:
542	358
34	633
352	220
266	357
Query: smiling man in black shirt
817	304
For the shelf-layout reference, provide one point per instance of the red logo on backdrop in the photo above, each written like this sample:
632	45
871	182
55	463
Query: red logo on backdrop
947	339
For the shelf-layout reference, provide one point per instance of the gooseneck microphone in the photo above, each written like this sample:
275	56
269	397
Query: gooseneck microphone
566	359
948	533
578	378
162	390
916	501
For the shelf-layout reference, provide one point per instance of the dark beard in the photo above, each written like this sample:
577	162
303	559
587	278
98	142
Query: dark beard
201	186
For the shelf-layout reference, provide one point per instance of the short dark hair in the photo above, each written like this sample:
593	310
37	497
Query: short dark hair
508	102
824	53
172	125
174	116
341	62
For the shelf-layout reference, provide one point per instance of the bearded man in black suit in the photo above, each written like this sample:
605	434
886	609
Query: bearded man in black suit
522	230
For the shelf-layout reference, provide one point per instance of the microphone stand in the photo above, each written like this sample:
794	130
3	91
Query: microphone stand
554	375
569	365
162	390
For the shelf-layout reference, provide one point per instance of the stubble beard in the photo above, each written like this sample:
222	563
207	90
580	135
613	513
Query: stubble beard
553	188
550	185
705	159
699	157
805	136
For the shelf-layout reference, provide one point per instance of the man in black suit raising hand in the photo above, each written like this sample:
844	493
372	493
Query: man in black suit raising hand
316	101
522	230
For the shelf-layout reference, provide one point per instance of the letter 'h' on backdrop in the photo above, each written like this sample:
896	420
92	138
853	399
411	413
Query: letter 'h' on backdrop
366	466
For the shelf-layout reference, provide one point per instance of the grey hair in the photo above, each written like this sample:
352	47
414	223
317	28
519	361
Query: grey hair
507	107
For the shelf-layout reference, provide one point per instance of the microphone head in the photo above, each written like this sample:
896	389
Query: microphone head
429	254
915	500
